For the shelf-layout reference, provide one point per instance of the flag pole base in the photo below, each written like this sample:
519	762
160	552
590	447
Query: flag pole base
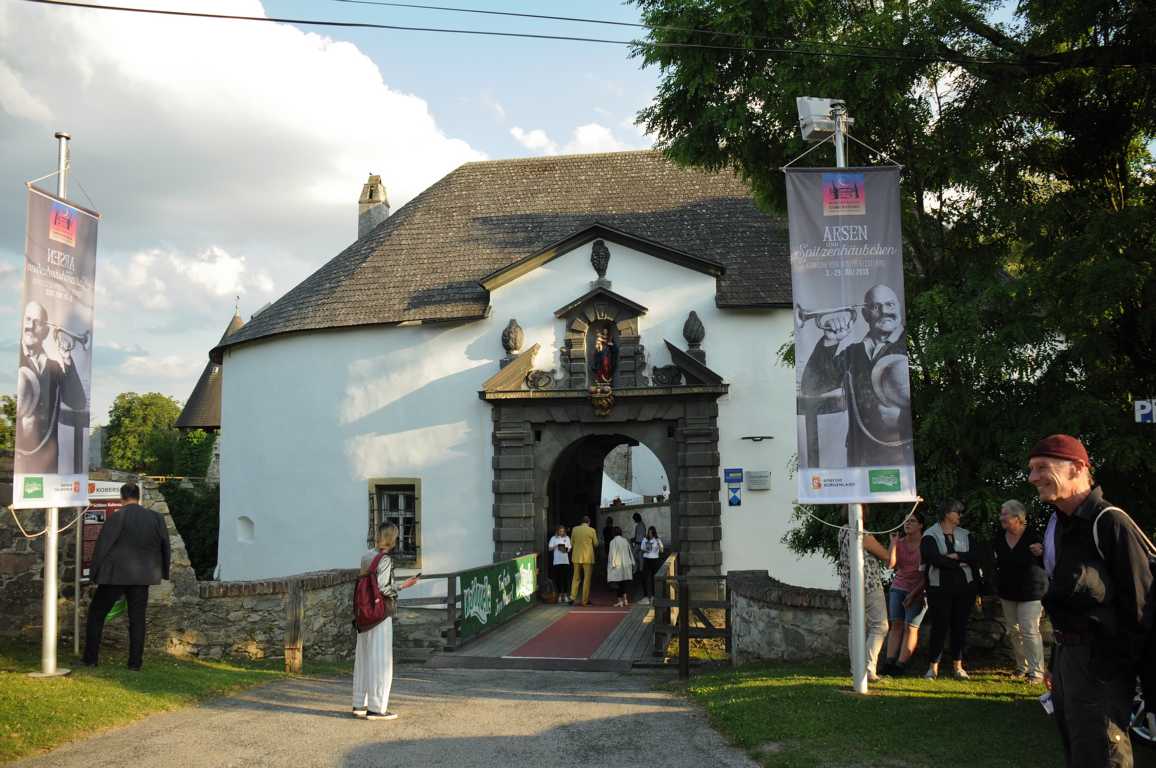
60	672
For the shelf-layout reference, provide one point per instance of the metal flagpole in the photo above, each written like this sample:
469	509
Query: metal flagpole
52	536
854	511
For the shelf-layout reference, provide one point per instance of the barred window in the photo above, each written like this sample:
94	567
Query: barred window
397	502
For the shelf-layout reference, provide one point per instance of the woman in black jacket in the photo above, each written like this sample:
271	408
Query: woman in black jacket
949	553
1021	584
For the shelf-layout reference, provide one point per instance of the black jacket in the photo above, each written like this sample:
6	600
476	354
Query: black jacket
1110	595
132	549
1020	575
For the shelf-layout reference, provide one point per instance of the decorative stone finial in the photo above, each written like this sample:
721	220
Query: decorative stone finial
512	337
693	330
600	258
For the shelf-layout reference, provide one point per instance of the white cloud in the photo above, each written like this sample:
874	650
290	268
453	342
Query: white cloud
225	157
593	137
535	140
168	367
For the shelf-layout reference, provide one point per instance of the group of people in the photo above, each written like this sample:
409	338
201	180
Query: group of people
1091	572
573	557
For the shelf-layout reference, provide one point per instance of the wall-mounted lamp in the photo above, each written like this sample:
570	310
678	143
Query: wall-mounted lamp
757	438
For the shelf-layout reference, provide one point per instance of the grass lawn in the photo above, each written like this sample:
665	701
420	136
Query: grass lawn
805	715
39	714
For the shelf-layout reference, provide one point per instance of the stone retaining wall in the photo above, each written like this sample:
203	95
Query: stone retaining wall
773	621
201	619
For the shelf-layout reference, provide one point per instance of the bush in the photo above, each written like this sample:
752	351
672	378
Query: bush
195	508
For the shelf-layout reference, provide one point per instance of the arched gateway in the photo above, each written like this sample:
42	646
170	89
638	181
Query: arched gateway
550	437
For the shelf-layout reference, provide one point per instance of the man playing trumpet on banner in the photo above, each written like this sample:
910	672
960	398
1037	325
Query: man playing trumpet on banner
44	384
873	375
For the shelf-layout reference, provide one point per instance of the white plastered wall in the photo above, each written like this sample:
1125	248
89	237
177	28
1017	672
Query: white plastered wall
308	418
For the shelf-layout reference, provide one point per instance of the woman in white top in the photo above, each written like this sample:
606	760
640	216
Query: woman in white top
620	566
373	659
559	545
651	547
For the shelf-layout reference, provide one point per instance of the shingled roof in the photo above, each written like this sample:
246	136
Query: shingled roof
426	260
203	409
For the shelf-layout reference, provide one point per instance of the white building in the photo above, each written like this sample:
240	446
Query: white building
394	382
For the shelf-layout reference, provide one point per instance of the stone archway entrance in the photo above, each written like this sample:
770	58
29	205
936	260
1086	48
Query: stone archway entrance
535	430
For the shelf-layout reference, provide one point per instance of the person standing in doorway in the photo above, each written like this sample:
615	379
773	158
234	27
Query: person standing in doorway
651	557
1021	584
1100	604
620	567
607	533
131	554
585	541
559	546
636	540
875	604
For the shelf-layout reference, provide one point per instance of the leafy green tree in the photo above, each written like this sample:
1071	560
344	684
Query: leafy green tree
7	423
140	436
194	452
1029	205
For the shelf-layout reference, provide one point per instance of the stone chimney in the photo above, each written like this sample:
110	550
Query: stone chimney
373	207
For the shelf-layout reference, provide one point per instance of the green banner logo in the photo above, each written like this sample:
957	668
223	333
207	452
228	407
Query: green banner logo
883	480
34	487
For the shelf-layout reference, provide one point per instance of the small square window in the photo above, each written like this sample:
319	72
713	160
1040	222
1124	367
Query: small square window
397	501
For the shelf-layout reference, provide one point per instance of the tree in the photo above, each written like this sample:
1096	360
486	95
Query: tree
1029	200
140	435
7	423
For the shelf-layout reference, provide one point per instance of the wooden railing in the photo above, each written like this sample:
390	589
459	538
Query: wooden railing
675	593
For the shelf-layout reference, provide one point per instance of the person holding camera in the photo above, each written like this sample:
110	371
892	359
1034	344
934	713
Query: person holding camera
559	546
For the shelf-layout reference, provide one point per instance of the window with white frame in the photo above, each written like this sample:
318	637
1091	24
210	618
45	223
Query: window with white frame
397	501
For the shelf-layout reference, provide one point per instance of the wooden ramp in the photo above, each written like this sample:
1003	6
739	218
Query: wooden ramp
631	640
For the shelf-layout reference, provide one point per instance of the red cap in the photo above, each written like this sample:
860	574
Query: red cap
1061	447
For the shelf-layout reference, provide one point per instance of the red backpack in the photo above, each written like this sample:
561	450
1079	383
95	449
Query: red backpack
370	607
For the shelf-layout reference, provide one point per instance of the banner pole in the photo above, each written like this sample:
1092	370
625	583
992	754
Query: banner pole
854	511
48	633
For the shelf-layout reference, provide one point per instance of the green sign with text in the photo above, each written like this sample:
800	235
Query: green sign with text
494	594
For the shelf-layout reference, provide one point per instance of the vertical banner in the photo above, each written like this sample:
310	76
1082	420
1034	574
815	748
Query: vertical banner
53	387
853	394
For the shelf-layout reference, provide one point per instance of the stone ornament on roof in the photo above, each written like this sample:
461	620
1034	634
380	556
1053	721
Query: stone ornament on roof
600	258
694	332
512	338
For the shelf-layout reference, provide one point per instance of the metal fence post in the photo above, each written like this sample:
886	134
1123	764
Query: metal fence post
683	628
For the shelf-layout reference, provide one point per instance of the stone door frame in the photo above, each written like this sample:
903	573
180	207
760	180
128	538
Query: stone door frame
680	424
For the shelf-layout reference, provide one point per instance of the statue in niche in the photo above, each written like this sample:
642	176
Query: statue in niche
605	361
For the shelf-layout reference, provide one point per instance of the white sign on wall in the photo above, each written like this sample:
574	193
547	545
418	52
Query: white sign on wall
1146	411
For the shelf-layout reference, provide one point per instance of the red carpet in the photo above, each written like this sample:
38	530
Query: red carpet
575	636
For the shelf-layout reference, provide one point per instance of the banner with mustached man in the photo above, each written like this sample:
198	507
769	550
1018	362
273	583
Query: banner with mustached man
853	394
53	386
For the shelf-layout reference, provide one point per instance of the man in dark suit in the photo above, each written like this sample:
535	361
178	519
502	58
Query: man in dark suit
131	553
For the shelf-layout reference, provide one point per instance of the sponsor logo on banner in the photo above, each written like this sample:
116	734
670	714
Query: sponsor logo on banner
33	488
884	480
816	483
844	194
62	225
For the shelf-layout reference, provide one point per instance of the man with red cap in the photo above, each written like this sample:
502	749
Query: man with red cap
1100	604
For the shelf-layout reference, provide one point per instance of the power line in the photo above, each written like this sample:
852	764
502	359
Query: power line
610	22
523	35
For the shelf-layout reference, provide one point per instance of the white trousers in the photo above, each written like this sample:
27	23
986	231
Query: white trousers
877	626
1023	626
373	668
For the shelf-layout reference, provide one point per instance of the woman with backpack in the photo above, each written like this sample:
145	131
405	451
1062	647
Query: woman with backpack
373	658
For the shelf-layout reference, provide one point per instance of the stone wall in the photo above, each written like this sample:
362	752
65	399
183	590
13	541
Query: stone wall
772	621
200	619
